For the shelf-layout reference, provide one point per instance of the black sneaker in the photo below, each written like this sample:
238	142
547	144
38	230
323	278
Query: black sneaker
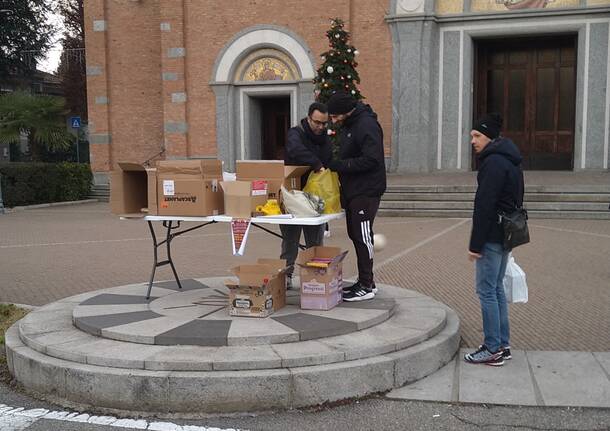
484	356
358	293
506	353
357	285
289	284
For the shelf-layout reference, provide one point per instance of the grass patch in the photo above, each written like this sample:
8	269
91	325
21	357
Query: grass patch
9	314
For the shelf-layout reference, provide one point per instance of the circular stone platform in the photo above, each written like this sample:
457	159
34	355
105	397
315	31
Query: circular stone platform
181	352
198	315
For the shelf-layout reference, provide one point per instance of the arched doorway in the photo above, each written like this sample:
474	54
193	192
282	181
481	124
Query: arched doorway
263	85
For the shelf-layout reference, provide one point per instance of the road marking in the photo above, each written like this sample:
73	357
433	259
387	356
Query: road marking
420	244
580	232
17	419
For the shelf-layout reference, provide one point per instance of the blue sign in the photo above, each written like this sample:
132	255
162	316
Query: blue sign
75	122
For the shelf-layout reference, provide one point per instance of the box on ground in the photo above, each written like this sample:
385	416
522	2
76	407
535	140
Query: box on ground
268	176
260	290
240	200
321	285
189	187
133	190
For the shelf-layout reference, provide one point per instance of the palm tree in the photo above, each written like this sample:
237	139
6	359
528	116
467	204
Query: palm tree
41	118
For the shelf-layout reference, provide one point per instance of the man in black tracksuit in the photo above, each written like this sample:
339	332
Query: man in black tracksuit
361	168
306	145
500	189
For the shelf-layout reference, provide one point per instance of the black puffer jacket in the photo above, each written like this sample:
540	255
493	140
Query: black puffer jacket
361	163
305	148
500	189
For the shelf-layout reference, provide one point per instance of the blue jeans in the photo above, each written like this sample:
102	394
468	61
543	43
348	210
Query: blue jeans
490	269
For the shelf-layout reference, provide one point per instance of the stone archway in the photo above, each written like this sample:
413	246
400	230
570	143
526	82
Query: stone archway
259	63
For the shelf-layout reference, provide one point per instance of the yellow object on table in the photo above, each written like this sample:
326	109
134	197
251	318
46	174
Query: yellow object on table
271	207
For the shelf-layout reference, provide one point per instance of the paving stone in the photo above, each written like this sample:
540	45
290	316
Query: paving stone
197	332
436	387
359	345
579	371
429	320
327	383
362	317
81	311
138	289
307	353
246	358
508	384
114	299
187	284
143	331
40	342
95	324
244	332
311	327
377	304
216	393
120	355
604	359
181	358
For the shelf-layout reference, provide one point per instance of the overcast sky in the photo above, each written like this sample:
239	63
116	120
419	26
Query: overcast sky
50	63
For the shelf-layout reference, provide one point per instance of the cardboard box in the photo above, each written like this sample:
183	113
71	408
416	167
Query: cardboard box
189	187
240	200
270	175
321	287
260	290
133	190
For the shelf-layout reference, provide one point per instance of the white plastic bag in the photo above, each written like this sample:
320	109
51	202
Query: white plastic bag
300	204
515	285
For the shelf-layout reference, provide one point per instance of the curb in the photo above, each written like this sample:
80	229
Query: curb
52	204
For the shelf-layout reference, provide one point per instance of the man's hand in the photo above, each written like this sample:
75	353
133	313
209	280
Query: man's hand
322	169
472	256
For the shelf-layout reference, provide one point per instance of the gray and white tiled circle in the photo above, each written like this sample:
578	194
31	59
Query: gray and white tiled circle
198	315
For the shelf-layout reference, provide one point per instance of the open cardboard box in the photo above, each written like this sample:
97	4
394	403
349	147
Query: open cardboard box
240	200
321	288
133	190
260	289
189	187
270	175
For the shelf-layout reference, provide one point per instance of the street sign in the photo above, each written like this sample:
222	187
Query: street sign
75	122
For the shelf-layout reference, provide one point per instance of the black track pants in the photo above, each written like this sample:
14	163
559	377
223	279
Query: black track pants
359	215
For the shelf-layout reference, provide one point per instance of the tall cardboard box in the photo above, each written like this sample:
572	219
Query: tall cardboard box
321	287
241	199
133	190
260	290
268	176
189	187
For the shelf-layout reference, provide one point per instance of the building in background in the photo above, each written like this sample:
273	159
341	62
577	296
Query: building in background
210	79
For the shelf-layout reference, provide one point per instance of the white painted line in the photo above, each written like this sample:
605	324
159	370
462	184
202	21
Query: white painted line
460	101
585	99
607	122
439	143
17	419
420	244
580	232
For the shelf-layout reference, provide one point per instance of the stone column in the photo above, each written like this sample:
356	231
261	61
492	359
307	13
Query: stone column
100	136
173	53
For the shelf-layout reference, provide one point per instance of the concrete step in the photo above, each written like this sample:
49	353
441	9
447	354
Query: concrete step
529	197
466	205
100	192
115	375
457	213
529	188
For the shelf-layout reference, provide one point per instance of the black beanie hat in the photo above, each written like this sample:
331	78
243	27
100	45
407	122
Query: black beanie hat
489	125
340	103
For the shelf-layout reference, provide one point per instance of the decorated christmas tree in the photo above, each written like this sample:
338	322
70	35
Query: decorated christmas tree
338	69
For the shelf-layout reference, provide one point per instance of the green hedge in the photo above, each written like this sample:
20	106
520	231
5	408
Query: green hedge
36	183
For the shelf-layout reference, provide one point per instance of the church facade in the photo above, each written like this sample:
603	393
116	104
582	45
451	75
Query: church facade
176	79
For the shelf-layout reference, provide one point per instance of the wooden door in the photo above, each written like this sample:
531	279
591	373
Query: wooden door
275	125
532	83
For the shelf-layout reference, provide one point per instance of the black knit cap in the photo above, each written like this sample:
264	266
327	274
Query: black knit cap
340	103
489	125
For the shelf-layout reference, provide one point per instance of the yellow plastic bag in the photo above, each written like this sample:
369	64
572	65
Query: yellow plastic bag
325	184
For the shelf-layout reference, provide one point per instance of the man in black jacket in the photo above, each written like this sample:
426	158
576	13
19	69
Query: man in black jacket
361	167
306	145
500	189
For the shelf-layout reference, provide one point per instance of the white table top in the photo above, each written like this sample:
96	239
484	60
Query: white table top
325	218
